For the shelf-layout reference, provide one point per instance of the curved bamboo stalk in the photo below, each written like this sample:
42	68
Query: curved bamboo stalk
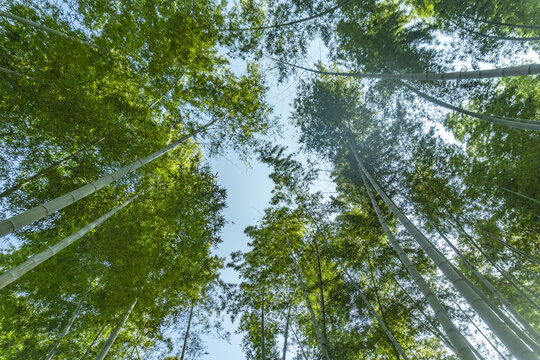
496	37
521	195
514	344
17	74
18	271
459	342
52	31
39	212
522	70
39	174
344	3
114	334
500	120
533	27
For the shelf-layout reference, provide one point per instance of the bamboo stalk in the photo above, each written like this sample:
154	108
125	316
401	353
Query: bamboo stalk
39	212
17	272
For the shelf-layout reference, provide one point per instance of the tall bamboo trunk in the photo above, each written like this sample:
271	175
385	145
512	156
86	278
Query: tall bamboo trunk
66	329
306	297
18	271
16	222
379	301
509	277
500	120
513	343
527	327
374	313
263	349
435	331
96	338
324	338
479	330
522	70
114	334
531	337
49	30
286	335
46	170
299	344
511	247
518	331
457	220
184	346
459	342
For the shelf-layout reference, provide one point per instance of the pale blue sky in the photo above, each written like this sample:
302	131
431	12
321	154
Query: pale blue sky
248	194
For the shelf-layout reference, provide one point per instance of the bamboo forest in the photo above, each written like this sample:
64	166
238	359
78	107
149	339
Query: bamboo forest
399	141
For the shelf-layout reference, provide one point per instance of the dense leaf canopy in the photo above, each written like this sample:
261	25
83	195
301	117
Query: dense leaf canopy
427	247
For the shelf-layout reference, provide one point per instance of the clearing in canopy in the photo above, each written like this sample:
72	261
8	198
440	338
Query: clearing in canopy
403	219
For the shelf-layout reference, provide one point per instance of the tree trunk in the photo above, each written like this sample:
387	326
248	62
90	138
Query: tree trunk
500	120
324	338
114	334
459	342
15	273
16	222
522	70
184	346
374	313
514	344
308	302
66	329
49	30
286	336
46	170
